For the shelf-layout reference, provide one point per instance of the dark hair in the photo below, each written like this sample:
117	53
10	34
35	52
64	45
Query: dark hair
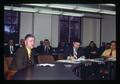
112	42
46	40
76	40
29	35
94	45
107	43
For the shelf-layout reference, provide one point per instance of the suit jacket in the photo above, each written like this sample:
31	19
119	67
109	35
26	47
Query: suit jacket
7	50
41	50
21	59
69	51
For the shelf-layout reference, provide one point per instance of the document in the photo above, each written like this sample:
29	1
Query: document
46	64
68	61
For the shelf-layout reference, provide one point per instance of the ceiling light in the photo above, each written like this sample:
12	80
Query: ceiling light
24	9
42	5
108	4
49	11
87	9
62	6
108	12
72	14
7	7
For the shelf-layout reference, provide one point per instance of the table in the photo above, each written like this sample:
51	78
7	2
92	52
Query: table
90	69
85	70
58	72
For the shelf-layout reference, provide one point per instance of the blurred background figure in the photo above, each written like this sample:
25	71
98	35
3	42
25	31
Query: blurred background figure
10	49
92	50
47	47
102	48
61	48
107	46
44	48
40	48
22	43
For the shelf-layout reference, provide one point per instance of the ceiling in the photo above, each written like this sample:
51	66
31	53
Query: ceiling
66	8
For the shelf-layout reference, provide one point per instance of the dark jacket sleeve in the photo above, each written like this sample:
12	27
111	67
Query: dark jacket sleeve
81	52
18	60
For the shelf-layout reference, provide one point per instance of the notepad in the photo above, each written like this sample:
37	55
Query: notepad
46	64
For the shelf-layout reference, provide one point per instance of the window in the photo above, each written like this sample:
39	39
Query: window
11	26
70	28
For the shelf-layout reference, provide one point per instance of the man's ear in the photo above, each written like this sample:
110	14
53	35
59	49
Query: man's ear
25	41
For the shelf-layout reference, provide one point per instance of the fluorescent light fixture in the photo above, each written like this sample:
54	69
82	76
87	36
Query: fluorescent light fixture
24	9
42	5
87	9
62	6
108	4
49	11
7	8
108	12
72	14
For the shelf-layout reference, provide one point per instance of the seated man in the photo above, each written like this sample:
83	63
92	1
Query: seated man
110	52
23	57
40	48
10	49
44	48
75	51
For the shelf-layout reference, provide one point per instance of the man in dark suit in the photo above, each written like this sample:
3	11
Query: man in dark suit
45	49
23	57
40	48
75	51
10	49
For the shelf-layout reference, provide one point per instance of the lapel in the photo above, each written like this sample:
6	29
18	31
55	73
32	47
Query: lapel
27	58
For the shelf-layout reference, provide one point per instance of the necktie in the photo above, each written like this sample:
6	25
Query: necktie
29	54
110	53
75	52
46	50
11	49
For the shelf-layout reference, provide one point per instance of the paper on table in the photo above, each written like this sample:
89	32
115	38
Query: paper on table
67	61
82	58
46	64
112	59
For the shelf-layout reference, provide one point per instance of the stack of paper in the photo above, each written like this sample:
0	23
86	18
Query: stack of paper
46	64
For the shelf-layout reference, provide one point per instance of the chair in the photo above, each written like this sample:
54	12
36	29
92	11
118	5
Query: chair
60	57
7	72
45	58
5	66
8	60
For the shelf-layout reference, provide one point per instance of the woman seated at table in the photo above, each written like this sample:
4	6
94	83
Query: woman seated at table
92	50
110	52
